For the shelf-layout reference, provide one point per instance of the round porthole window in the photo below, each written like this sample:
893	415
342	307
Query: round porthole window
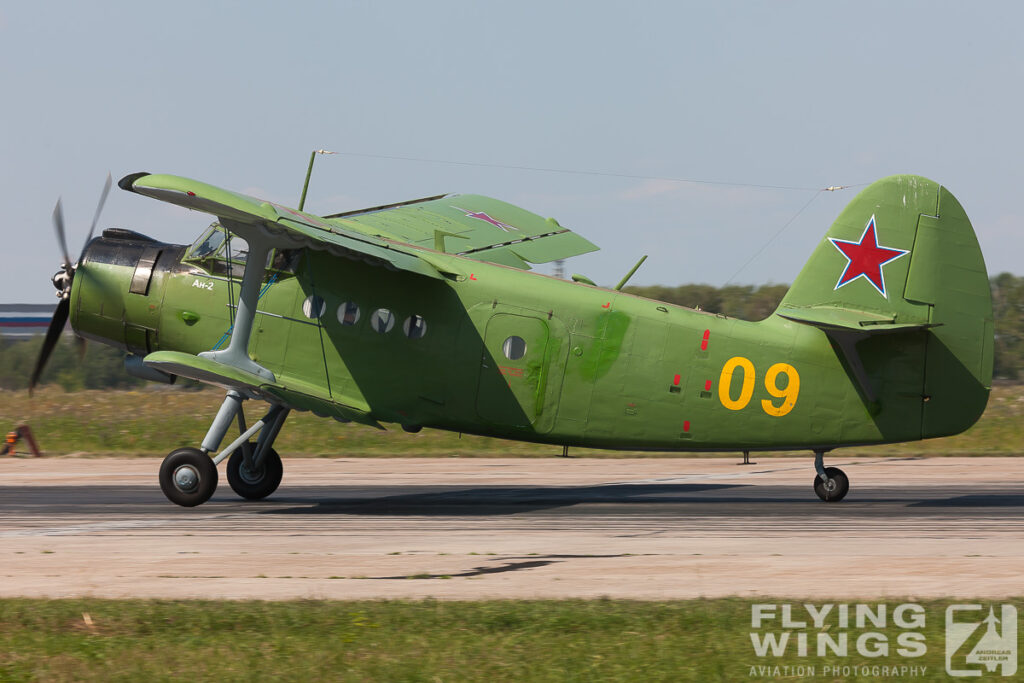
314	306
382	320
414	327
514	348
348	313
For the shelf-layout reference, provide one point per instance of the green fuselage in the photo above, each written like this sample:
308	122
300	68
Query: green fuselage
598	367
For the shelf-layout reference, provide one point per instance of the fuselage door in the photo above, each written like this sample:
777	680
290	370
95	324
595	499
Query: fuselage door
515	371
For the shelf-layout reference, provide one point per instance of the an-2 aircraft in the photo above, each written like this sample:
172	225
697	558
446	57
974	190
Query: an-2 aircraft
423	314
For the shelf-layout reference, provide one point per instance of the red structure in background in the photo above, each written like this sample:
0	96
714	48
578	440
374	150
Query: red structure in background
22	432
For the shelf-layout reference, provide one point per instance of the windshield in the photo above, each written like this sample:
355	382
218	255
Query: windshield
220	252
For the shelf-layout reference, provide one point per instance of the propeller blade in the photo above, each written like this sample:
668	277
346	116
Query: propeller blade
53	332
58	224
99	209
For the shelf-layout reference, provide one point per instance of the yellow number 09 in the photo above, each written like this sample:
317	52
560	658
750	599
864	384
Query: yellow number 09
787	394
725	383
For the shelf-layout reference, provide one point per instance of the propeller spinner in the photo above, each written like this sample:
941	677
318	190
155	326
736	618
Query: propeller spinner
62	281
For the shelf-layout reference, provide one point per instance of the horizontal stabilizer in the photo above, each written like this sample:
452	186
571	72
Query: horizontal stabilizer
835	317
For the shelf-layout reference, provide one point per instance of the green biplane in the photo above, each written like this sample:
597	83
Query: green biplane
424	314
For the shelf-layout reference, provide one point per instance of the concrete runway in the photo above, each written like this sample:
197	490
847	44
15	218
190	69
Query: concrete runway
482	528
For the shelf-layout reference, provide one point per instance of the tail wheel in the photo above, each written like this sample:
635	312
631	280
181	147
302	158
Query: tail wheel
837	487
188	477
254	484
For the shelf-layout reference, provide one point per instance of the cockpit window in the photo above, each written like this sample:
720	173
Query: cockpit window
222	253
216	247
230	259
208	243
285	260
237	249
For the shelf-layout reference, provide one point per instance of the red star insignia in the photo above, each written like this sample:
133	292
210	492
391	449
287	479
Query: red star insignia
865	258
481	216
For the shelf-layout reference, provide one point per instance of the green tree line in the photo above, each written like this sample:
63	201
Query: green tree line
103	367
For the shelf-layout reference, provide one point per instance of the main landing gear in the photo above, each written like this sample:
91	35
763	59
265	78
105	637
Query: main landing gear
188	476
831	483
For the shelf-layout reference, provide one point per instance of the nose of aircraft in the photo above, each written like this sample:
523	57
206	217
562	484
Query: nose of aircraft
115	298
63	280
108	294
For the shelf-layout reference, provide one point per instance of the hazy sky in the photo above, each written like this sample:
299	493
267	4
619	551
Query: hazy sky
794	94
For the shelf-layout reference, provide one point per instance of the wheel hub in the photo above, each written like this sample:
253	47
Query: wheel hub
250	475
186	479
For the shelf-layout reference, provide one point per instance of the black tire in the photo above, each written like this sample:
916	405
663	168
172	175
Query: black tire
839	485
188	477
255	485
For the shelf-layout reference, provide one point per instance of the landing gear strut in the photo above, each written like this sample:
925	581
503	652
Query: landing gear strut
830	484
188	476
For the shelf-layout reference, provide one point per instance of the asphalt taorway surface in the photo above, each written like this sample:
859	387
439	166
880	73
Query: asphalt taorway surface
453	528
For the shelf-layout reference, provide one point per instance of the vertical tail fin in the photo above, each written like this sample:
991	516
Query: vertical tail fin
902	259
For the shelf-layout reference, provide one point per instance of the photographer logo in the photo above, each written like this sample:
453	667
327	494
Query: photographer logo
977	644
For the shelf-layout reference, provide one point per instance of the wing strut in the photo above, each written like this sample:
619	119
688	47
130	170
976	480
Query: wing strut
237	352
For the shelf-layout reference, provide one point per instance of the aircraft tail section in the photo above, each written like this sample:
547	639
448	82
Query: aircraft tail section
899	285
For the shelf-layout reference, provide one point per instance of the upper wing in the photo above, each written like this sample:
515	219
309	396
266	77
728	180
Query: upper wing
398	236
282	226
470	225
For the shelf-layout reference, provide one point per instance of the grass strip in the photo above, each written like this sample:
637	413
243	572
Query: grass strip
562	640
